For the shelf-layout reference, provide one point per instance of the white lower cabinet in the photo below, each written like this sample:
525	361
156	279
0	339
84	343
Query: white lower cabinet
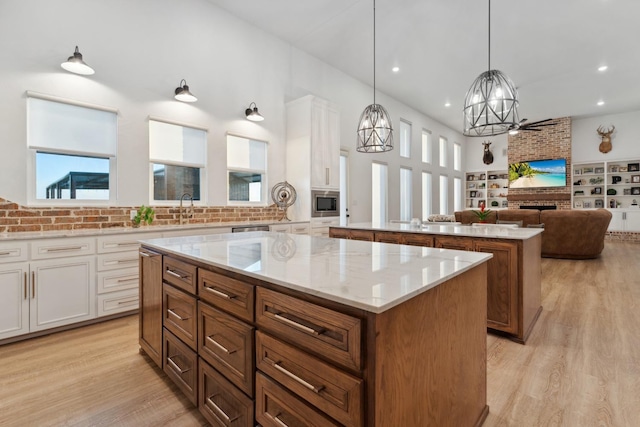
625	220
296	228
320	226
46	294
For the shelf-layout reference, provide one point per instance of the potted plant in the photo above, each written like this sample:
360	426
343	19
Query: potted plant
483	213
144	214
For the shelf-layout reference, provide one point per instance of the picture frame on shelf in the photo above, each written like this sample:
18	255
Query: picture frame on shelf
472	193
599	203
635	178
596	190
577	171
598	170
626	191
472	186
471	177
622	169
613	168
633	167
586	205
577	204
587	170
635	191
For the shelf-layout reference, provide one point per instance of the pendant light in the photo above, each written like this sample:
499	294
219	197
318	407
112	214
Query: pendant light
253	114
491	104
375	132
183	94
75	64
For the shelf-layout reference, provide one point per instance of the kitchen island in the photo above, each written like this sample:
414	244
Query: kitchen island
513	274
281	329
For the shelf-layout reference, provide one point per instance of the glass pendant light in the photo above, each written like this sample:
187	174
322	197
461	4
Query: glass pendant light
375	132
491	104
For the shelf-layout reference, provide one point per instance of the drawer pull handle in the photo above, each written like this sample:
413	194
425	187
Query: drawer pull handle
297	325
279	421
170	311
5	253
297	378
220	411
130	279
220	294
25	285
174	274
66	248
175	366
128	302
220	346
127	244
33	284
144	254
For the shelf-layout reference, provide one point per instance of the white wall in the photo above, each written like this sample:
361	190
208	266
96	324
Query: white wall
625	139
142	49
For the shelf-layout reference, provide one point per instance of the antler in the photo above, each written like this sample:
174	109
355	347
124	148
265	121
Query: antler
607	133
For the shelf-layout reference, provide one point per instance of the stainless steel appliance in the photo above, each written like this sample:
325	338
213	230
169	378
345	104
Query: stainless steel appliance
325	203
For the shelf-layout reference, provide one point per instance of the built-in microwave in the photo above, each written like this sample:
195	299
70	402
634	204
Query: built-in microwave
325	203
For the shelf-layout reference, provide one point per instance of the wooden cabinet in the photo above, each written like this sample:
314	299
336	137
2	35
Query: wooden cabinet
344	233
451	242
180	314
180	363
180	274
151	304
413	239
231	295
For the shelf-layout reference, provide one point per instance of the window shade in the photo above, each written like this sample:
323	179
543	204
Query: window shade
244	153
177	145
64	128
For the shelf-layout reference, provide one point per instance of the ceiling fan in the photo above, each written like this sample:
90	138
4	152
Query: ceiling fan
533	126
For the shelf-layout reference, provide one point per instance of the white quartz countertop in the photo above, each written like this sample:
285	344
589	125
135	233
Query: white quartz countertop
493	231
30	235
368	275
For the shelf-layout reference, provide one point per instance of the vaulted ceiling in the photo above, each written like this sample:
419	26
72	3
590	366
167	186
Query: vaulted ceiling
551	49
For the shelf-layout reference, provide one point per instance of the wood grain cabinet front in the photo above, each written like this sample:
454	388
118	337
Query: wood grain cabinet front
221	403
329	389
452	242
413	239
228	344
179	274
323	331
231	295
180	314
151	304
276	407
180	363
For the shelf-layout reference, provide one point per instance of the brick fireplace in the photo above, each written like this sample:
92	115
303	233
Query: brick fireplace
551	142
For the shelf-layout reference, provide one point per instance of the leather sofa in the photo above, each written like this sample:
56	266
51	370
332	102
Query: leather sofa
570	234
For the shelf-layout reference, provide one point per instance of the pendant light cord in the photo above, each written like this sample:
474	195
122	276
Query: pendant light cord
489	50
374	52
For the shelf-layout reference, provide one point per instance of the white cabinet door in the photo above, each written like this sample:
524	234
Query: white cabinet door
333	146
63	291
14	300
617	221
325	146
632	222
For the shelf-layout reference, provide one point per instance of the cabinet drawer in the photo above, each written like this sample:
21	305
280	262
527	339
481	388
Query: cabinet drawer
327	388
227	344
118	260
221	403
275	407
121	243
13	251
231	295
119	280
180	363
62	248
179	274
118	302
326	332
179	314
300	228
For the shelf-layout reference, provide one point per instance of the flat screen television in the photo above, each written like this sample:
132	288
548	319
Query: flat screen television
538	174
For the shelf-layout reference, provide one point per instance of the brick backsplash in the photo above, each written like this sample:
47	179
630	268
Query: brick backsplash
15	218
551	142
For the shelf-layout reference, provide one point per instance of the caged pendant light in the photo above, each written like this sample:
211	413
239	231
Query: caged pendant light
375	133
491	104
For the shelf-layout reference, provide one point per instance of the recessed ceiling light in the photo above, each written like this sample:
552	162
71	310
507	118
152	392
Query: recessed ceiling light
600	103
602	68
395	69
447	104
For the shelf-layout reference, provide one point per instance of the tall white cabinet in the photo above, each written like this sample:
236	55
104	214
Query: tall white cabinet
313	150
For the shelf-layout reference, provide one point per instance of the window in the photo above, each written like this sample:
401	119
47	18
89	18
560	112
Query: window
405	194
178	158
443	152
246	168
457	157
378	193
444	196
73	150
426	146
405	139
457	194
426	195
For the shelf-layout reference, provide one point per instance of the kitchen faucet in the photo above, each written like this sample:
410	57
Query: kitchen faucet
186	213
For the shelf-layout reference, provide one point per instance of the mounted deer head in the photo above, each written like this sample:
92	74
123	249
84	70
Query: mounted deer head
487	157
605	145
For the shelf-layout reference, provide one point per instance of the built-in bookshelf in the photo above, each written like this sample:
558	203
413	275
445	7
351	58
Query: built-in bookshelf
490	187
612	185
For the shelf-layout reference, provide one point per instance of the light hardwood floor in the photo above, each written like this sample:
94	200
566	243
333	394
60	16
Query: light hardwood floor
580	367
